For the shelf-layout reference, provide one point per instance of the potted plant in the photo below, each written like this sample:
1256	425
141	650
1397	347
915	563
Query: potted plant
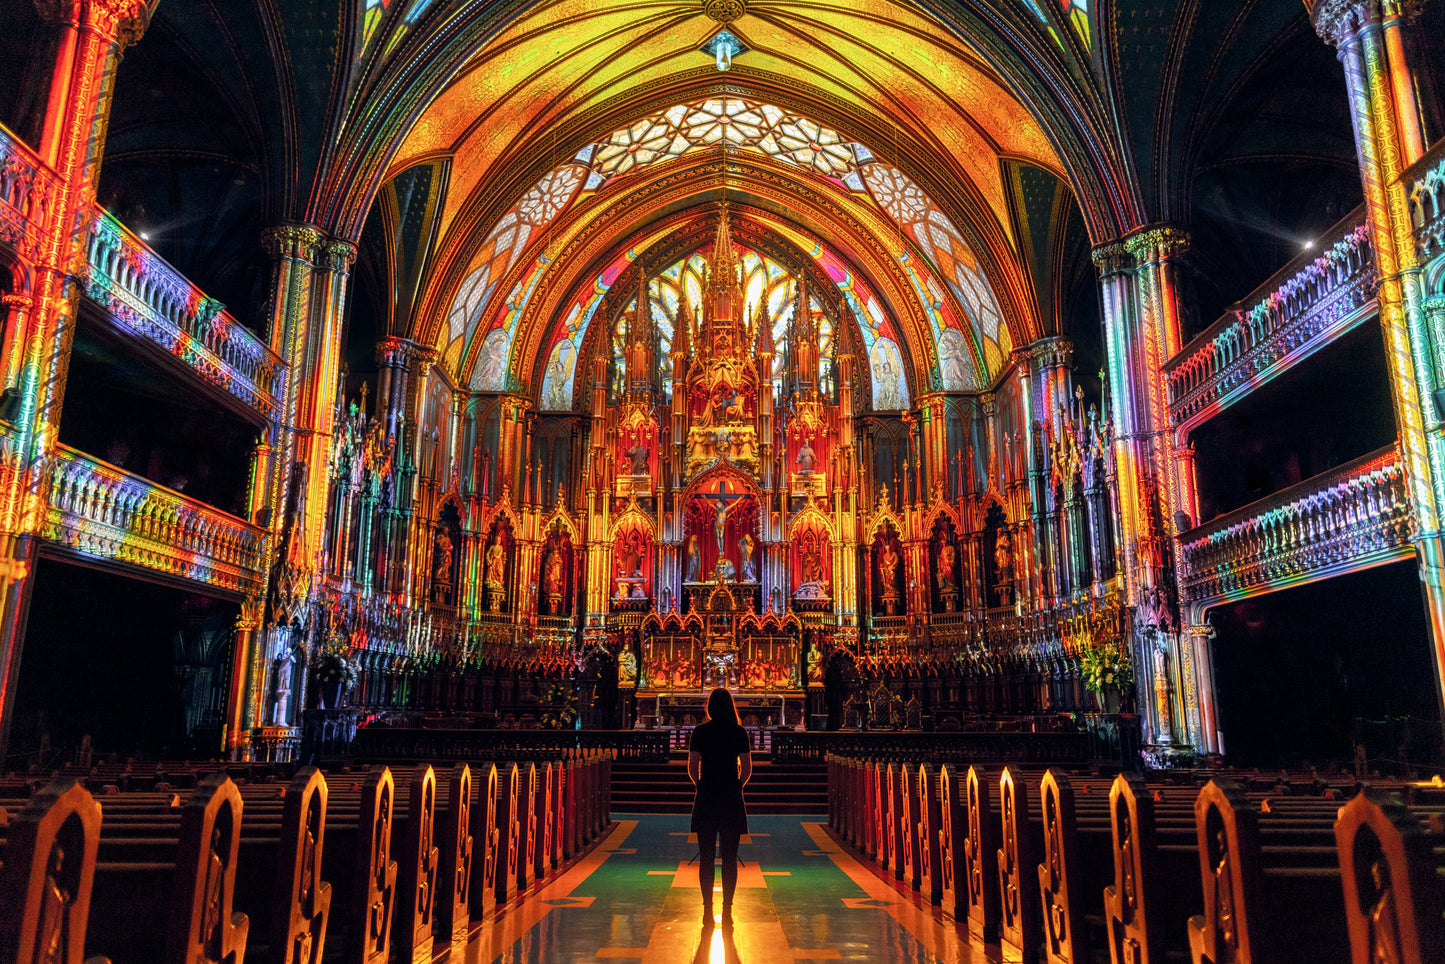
1108	673
334	672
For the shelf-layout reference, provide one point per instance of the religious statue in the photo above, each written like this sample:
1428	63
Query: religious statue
496	564
720	525
1003	559
694	560
745	547
888	568
554	580
888	576
281	670
813	584
947	562
815	664
1162	705
626	668
638	455
442	557
806	458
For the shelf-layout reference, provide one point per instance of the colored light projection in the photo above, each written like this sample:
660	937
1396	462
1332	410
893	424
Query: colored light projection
766	283
971	341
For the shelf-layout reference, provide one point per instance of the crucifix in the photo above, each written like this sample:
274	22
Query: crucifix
724	506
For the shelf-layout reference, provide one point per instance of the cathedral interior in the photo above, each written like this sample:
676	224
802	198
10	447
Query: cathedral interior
979	365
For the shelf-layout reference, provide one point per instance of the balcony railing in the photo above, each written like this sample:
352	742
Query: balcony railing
1352	517
1306	305
154	301
104	512
27	187
1427	201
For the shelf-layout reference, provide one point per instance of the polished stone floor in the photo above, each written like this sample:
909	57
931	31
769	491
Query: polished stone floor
800	898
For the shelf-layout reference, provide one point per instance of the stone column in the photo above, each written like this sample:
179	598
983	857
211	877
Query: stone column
1142	298
1367	33
306	318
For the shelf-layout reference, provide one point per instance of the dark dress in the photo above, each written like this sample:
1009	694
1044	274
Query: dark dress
717	805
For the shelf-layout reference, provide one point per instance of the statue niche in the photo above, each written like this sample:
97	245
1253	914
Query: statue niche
497	565
444	556
998	551
555	576
888	572
944	557
632	564
812	559
720	541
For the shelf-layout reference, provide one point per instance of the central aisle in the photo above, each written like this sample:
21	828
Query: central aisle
800	898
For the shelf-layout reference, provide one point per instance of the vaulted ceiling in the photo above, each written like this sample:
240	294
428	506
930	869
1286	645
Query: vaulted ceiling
1035	128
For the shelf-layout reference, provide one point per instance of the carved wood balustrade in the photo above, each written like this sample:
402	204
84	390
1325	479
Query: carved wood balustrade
148	298
26	188
1355	516
101	511
1307	304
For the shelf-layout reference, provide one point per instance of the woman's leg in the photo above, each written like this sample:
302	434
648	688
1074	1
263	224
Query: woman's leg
729	872
707	850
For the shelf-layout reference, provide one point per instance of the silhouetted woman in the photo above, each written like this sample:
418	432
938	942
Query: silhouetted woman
719	762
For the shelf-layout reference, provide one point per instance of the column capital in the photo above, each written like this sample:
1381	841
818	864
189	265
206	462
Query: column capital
1157	242
397	352
298	241
119	21
336	256
1056	351
1111	258
1336	21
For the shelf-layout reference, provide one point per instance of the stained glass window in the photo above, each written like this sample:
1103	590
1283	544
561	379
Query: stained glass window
742	123
1077	12
950	284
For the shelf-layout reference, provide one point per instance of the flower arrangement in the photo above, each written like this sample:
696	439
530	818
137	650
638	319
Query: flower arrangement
1105	667
335	666
561	702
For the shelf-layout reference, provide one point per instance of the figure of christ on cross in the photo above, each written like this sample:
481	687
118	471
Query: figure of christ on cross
725	505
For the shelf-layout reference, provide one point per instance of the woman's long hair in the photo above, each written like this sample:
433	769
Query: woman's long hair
722	710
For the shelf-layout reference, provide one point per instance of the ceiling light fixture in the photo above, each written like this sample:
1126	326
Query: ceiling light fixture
724	46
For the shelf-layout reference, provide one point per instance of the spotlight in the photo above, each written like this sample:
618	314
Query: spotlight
1308	245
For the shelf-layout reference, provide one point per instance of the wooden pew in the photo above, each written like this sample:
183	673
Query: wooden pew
186	862
484	831
1019	928
1132	903
1390	866
374	890
1065	940
419	860
508	833
930	814
892	828
952	836
980	859
1258	909
456	843
47	876
303	899
543	814
907	835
